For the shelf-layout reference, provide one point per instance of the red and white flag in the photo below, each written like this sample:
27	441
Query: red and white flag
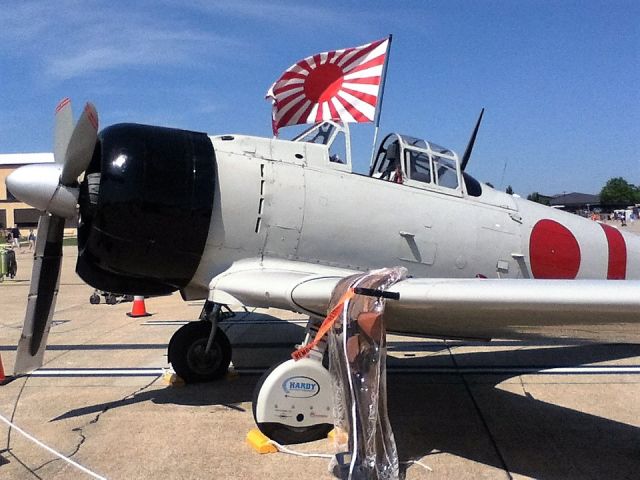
341	85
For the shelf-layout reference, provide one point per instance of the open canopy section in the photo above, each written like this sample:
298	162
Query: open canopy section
332	134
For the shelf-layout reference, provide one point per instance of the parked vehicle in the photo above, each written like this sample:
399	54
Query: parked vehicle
109	298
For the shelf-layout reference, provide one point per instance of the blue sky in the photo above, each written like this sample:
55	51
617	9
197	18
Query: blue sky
560	80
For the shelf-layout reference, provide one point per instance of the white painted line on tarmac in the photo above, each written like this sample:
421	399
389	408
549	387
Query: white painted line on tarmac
154	372
50	450
521	370
156	323
164	322
98	372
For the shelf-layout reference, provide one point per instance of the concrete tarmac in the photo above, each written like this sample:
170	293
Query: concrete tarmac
465	410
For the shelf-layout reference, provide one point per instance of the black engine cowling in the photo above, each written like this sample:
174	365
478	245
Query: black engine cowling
145	209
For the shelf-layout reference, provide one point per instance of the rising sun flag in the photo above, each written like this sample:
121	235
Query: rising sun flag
342	85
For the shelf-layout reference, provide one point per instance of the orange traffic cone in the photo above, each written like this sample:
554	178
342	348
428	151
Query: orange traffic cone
138	309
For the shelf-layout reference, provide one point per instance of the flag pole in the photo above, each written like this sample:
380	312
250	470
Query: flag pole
379	109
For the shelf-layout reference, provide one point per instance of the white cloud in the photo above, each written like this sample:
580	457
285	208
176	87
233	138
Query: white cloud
69	39
279	12
23	21
293	14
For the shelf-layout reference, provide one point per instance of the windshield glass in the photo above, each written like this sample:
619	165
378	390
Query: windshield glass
445	169
403	158
419	166
414	142
320	134
441	150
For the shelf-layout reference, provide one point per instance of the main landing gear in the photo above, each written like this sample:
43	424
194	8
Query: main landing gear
292	402
200	351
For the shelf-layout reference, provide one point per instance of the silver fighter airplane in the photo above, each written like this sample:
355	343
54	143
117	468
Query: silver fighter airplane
263	222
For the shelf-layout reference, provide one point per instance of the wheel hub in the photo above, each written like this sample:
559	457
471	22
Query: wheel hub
201	361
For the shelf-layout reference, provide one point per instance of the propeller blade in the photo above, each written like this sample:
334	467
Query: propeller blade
45	278
62	130
81	145
472	141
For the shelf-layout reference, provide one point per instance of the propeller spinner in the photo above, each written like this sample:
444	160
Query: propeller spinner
53	189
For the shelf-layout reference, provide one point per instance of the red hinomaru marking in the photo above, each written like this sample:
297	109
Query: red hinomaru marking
554	251
617	266
63	103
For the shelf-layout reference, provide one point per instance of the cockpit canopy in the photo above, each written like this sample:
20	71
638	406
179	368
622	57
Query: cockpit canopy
413	161
400	159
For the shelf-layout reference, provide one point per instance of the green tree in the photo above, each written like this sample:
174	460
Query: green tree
536	197
618	191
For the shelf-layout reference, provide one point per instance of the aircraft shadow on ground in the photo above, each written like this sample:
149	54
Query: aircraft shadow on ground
433	413
533	437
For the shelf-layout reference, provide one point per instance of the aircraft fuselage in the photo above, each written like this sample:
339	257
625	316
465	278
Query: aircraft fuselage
280	199
285	200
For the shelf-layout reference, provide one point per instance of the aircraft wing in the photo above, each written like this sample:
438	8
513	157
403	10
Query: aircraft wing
286	284
602	310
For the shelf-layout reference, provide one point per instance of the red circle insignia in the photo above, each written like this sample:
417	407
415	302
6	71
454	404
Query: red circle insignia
554	251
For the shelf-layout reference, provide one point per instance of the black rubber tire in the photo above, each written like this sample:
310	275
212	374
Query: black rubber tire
285	434
111	299
94	299
186	350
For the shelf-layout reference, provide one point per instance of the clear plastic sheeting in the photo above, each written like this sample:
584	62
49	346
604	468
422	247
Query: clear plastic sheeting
365	444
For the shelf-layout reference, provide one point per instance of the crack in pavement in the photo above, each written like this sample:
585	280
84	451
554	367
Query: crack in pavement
524	389
95	419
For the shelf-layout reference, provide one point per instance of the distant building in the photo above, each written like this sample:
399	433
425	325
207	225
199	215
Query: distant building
13	211
576	202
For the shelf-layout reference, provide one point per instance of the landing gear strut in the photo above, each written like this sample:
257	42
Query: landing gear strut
200	351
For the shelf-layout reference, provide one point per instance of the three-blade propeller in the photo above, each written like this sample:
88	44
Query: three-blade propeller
53	189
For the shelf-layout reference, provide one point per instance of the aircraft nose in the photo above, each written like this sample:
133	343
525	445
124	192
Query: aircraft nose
38	186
